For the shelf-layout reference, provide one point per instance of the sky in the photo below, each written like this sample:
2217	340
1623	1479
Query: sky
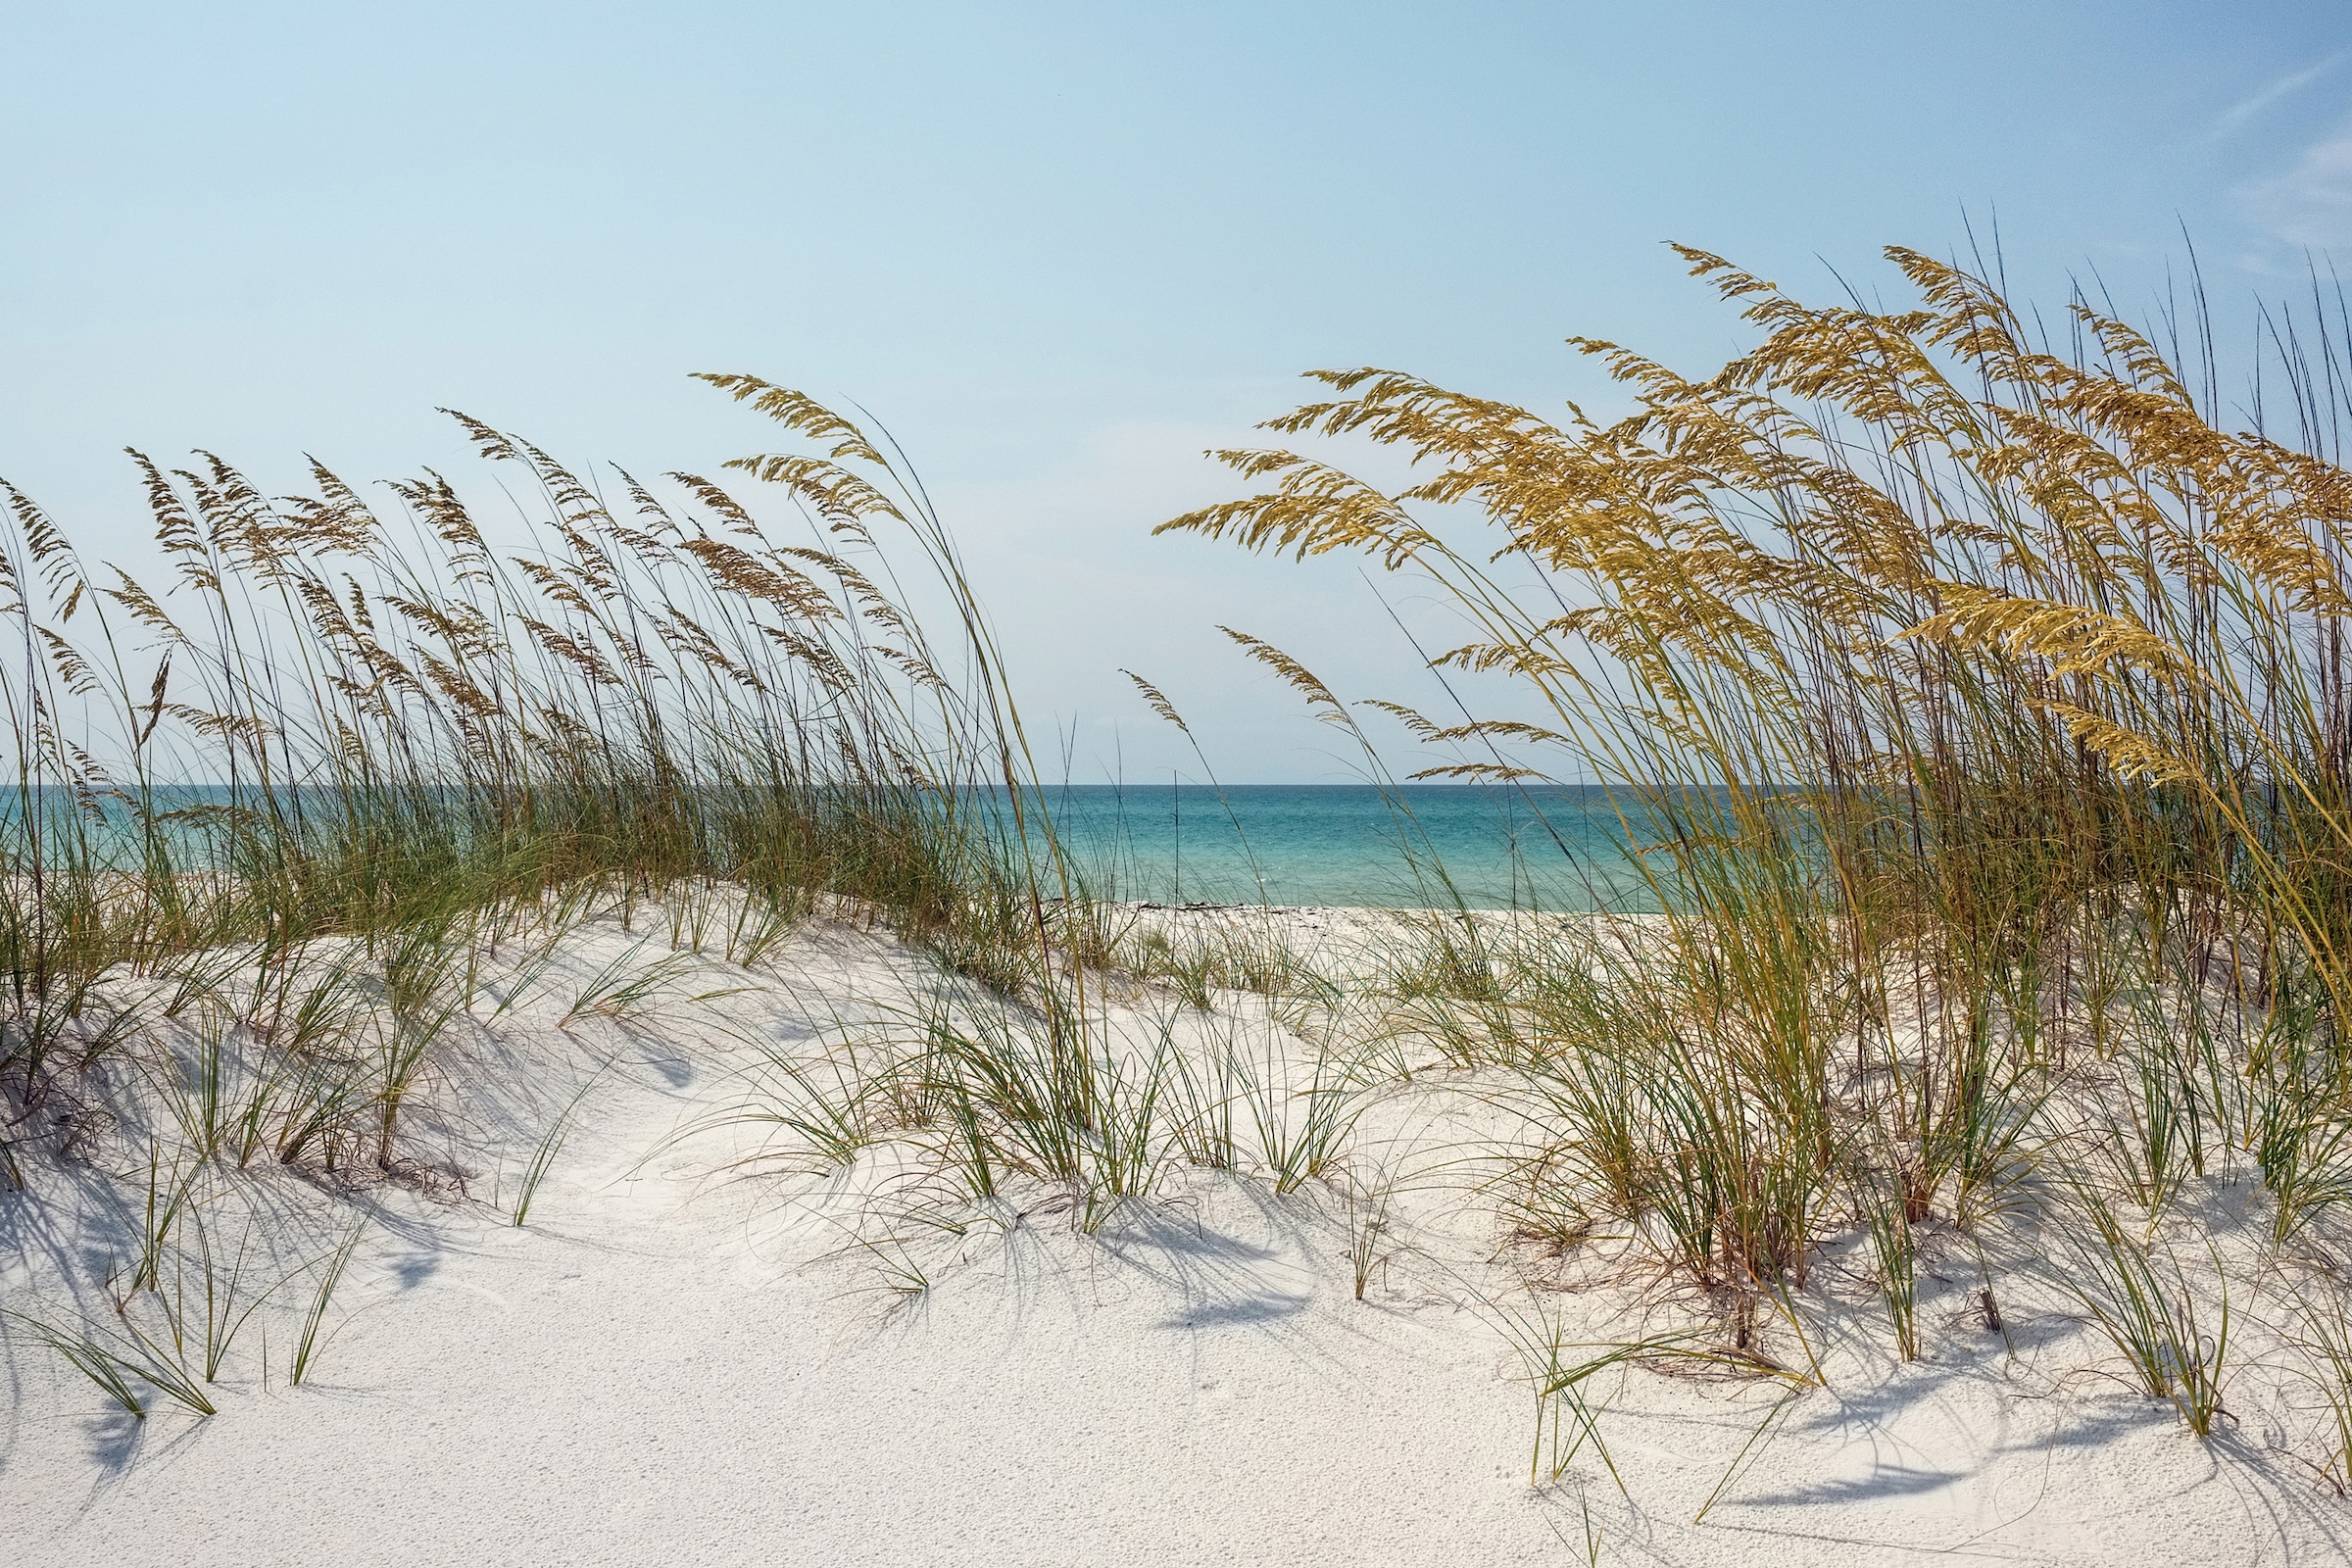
1059	250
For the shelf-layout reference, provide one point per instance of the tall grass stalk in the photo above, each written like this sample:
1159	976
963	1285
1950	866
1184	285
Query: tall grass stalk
398	733
313	1341
550	1144
1973	703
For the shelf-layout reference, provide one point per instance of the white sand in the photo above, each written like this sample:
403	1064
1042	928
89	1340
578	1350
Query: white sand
679	1361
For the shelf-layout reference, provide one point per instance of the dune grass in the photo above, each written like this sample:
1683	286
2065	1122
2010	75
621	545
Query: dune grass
290	825
1974	711
1974	706
405	732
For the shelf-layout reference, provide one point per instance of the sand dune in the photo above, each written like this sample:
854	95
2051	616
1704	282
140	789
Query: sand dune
704	1348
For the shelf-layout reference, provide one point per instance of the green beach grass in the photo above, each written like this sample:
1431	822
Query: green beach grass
1974	711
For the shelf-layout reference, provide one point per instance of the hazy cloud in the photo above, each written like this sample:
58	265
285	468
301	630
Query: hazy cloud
2285	86
2311	204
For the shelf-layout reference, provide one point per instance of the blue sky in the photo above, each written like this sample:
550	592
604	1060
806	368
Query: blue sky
1059	248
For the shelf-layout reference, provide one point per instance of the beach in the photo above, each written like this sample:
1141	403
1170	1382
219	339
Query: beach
1213	784
704	1347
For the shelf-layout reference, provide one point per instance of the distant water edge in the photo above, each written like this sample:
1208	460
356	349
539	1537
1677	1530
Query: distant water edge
1486	847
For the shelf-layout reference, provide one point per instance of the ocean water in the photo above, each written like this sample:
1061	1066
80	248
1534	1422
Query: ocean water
1420	846
1486	847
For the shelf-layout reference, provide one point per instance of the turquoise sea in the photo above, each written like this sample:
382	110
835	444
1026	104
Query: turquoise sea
1486	847
1492	847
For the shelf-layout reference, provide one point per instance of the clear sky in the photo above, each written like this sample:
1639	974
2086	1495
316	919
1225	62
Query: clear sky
1059	248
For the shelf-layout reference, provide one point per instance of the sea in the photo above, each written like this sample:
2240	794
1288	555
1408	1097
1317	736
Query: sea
1483	846
1427	846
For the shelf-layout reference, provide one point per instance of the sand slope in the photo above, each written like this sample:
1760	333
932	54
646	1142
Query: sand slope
681	1361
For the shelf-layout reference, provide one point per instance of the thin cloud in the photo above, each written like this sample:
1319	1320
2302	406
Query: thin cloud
2286	87
2311	204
